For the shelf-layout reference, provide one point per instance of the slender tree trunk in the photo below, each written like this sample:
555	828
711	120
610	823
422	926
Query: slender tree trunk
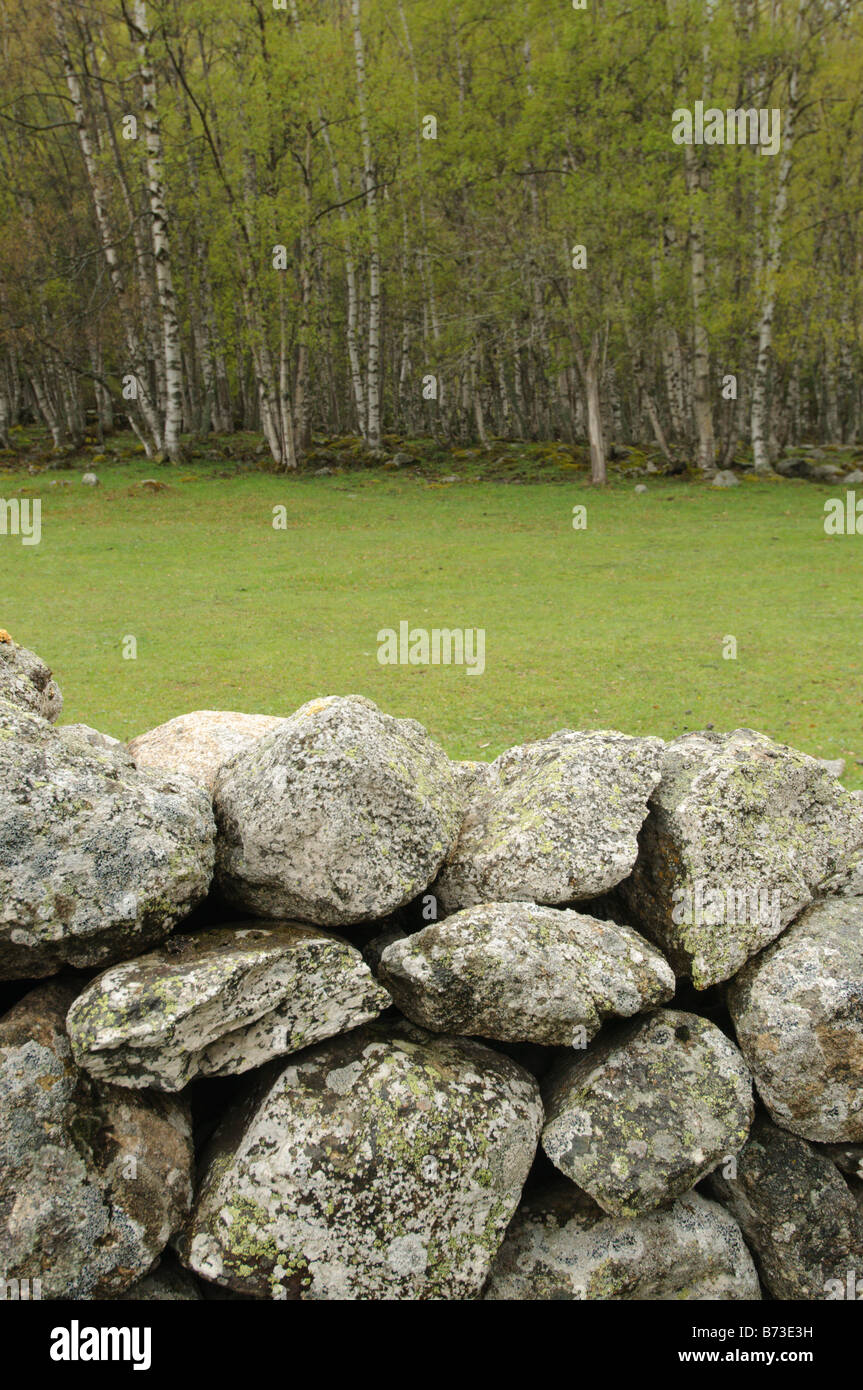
104	403
171	344
151	434
424	258
589	369
372	430
301	424
147	292
772	261
287	413
637	361
352	327
48	409
702	402
5	410
478	415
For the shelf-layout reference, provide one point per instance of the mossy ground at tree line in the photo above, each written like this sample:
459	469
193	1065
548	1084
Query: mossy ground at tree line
618	626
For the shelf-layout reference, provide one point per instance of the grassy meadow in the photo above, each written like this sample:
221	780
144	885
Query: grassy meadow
619	625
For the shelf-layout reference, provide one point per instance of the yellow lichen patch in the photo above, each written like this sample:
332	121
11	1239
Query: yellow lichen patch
4	636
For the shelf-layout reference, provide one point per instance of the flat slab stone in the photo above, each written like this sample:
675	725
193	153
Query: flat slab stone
220	1001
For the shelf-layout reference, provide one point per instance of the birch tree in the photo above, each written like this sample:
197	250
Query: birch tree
160	234
372	428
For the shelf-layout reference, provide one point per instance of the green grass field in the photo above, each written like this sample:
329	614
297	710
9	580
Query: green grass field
619	626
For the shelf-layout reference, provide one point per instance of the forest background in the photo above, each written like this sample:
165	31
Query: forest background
464	220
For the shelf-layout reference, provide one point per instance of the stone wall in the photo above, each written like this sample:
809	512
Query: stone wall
582	1023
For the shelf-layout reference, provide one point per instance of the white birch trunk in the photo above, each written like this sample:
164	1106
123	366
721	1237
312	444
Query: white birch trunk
372	432
171	345
772	261
589	369
702	403
151	436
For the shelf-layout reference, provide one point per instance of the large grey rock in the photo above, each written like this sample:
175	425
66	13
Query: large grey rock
798	1215
342	816
26	681
94	1180
524	973
825	473
725	478
798	1014
97	861
740	833
649	1110
218	1002
560	1245
553	821
198	744
382	1165
792	467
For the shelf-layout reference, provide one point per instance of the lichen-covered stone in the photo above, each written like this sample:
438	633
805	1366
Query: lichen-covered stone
560	1245
94	737
467	773
798	1014
847	882
797	1212
27	682
553	821
341	816
523	973
82	737
649	1110
740	833
97	860
199	743
220	1001
94	1180
382	1165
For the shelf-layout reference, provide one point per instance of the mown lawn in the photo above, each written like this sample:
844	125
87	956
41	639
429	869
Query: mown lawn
620	625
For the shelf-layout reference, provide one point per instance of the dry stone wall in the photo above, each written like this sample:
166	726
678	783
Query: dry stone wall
583	1023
